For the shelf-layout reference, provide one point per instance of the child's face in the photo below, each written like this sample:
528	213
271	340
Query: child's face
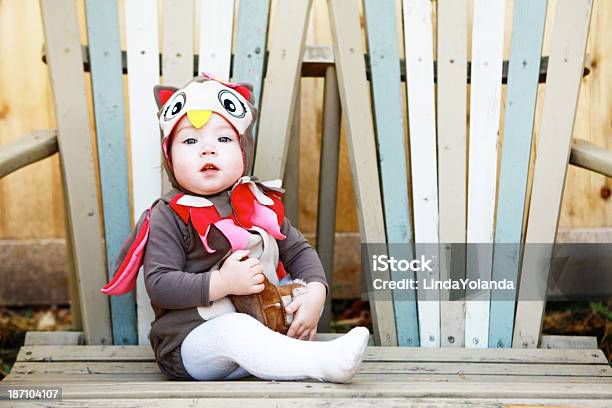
194	150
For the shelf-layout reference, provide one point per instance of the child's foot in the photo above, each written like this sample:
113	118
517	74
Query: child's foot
344	355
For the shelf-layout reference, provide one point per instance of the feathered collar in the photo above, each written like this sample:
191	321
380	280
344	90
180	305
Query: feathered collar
252	203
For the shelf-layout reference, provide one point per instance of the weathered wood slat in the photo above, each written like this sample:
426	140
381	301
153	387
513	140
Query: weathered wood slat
251	38
418	44
60	378
178	38
177	59
452	163
280	87
27	150
527	34
291	176
371	367
353	86
323	402
64	54
591	157
396	378
51	338
485	95
485	369
328	183
569	40
360	389
216	33
52	368
461	355
109	110
568	342
143	64
389	121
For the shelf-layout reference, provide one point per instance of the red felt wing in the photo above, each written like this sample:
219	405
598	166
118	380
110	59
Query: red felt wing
277	207
202	217
242	203
181	210
280	270
124	279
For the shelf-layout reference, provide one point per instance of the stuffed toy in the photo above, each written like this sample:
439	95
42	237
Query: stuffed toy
255	205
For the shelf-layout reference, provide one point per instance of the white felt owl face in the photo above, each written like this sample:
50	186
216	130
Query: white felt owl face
199	100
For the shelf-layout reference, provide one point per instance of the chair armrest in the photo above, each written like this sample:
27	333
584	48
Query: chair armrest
26	150
591	157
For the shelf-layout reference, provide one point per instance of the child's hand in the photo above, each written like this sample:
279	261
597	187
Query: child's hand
242	277
307	312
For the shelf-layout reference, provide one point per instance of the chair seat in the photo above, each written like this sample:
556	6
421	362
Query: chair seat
403	376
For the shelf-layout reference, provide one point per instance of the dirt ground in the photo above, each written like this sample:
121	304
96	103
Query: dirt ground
575	318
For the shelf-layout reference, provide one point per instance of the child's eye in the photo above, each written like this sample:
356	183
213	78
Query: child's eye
225	139
190	140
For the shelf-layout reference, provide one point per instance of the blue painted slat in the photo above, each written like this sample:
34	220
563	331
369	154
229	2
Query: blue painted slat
387	100
107	82
527	34
251	38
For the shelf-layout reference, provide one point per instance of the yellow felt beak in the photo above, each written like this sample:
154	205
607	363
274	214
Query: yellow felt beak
198	118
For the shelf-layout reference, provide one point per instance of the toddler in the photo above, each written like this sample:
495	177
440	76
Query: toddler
217	233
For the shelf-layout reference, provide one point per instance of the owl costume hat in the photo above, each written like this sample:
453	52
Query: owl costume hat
254	204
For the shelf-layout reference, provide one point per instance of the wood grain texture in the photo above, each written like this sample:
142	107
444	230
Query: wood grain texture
340	402
177	50
586	202
143	65
47	338
452	21
34	192
350	65
485	94
527	36
291	177
367	367
107	89
64	54
286	50
592	157
250	49
358	389
177	41
328	182
389	122
416	354
418	44
216	33
563	84
26	150
568	342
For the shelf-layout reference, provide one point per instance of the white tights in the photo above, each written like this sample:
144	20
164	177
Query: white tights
236	345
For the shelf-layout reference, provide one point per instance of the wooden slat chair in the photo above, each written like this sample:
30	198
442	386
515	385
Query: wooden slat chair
435	376
282	63
130	325
439	164
102	57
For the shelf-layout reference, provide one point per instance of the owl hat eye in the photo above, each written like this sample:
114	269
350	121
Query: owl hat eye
232	104
175	106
